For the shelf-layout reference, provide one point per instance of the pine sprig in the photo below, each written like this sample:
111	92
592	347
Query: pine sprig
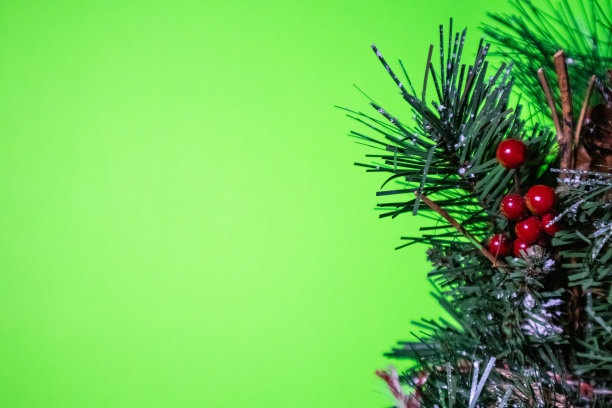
532	34
523	331
448	151
516	318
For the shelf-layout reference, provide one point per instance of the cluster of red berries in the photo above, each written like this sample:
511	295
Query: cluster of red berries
539	200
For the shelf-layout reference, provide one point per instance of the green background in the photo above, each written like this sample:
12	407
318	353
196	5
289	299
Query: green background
181	222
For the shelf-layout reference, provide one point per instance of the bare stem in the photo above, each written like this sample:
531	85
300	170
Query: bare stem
585	105
434	206
565	139
550	100
517	181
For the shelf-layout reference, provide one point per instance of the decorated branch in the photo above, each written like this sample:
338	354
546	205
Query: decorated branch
521	196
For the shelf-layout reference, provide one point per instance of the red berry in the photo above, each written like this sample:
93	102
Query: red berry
550	229
511	153
529	230
519	245
513	207
500	245
540	199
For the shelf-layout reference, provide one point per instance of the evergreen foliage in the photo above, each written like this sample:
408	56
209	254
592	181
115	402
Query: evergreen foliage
531	35
534	330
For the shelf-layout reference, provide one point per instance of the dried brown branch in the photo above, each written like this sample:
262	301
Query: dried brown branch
517	181
565	139
550	100
578	150
583	111
434	206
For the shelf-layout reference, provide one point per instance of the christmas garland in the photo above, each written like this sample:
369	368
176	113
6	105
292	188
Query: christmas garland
521	252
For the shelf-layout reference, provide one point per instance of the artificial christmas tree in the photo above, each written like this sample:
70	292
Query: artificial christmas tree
521	253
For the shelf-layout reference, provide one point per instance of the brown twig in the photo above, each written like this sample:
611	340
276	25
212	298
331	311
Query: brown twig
567	153
565	139
550	100
517	181
585	105
434	206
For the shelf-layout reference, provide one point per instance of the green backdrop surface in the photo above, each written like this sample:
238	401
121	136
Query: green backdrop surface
181	223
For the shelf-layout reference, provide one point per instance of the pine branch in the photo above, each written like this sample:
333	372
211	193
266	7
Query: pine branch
444	214
533	33
444	159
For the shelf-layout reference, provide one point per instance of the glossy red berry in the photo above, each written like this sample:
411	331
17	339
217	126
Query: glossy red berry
513	207
519	245
529	230
551	229
511	153
500	245
540	199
